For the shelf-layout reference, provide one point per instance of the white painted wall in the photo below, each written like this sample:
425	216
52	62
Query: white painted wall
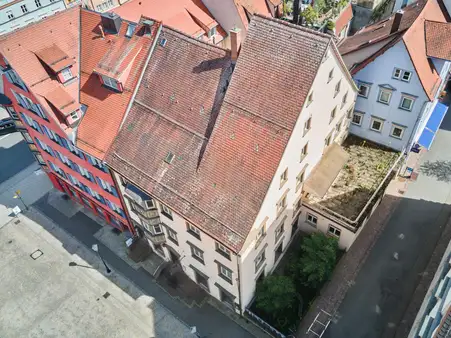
320	109
34	13
226	14
206	244
380	72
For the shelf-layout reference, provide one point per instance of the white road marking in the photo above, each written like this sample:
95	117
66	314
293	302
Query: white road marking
4	136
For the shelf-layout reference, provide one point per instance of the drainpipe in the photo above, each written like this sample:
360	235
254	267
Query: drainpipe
238	258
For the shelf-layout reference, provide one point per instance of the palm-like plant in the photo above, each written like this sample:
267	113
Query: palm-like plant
318	258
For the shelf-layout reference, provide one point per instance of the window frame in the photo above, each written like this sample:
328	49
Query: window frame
193	230
400	73
222	250
396	126
368	87
172	235
387	91
304	152
337	88
333	114
311	219
309	99
225	276
283	178
404	73
406	97
66	71
279	231
197	253
259	260
376	119
334	231
299	182
166	211
331	75
359	114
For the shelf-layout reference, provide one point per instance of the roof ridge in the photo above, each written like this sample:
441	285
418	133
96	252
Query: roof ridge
190	39
294	26
47	19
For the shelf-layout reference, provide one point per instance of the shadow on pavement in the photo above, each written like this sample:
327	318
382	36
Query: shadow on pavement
208	321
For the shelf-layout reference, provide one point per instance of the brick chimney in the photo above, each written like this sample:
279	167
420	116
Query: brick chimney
235	42
396	21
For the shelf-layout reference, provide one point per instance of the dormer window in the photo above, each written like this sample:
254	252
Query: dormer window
212	32
65	75
74	115
111	83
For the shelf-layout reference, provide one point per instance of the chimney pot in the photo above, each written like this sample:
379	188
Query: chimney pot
235	42
102	32
396	21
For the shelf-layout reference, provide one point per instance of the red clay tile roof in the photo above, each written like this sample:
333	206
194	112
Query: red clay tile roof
188	16
223	165
247	8
438	44
20	48
62	101
106	108
344	18
55	58
411	31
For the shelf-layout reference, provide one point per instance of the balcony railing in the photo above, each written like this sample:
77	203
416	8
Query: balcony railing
149	214
156	239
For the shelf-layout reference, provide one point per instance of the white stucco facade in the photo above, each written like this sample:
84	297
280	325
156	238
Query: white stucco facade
380	76
14	15
319	110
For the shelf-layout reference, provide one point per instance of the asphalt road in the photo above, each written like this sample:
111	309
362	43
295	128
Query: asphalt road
375	305
14	153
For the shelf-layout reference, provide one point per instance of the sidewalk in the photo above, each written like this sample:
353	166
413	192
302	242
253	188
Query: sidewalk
207	319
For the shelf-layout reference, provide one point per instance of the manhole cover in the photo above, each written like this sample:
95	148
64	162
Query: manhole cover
35	255
106	295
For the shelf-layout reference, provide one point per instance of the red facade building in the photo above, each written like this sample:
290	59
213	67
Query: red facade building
69	79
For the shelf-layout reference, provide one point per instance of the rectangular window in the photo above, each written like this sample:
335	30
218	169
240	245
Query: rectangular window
259	260
109	82
212	32
10	15
357	118
45	147
397	73
193	230
27	137
157	229
406	76
166	211
278	232
332	114
39	158
12	113
309	99
333	231
66	73
282	204
38	3
85	173
337	88
283	178
384	96
172	235
397	131
312	219
197	253
24	9
338	127
96	163
260	234
300	179
331	75
108	187
376	124
328	140
344	99
307	125
304	151
221	249
115	208
224	273
364	90
406	103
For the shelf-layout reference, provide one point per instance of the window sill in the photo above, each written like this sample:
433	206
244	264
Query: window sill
283	183
226	279
192	233
173	240
386	103
396	137
312	224
259	240
223	254
376	131
257	268
362	96
356	124
167	215
404	109
198	259
279	237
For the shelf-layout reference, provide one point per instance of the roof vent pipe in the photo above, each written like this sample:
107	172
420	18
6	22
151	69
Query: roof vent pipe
396	21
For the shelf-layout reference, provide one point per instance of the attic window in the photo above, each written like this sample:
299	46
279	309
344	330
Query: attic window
65	75
169	158
111	83
163	42
212	32
130	30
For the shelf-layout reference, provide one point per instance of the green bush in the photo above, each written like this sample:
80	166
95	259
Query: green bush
275	295
330	25
310	15
318	258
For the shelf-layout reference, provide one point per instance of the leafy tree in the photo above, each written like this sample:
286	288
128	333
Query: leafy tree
310	15
319	6
330	25
275	294
318	258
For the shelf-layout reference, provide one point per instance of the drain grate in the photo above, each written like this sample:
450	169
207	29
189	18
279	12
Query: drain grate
35	255
106	295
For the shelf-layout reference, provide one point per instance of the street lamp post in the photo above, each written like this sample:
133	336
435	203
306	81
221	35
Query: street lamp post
17	196
95	247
